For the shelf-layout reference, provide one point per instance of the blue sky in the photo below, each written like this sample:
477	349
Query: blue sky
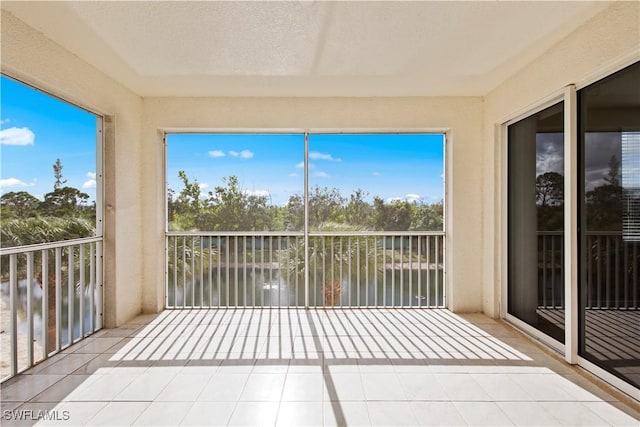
392	166
35	130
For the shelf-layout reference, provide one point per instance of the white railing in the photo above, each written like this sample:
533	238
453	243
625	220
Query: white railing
51	297
374	269
611	272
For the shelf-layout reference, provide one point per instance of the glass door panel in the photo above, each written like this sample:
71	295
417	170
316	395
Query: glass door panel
610	223
536	221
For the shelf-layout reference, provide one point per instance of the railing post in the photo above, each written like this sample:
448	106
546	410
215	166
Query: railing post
13	307
306	220
29	308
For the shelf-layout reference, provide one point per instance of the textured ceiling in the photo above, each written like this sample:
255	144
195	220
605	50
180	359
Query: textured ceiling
306	48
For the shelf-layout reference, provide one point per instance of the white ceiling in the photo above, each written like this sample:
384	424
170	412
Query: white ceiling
306	48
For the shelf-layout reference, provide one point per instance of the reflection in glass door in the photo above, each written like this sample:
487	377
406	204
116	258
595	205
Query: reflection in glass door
610	223
536	221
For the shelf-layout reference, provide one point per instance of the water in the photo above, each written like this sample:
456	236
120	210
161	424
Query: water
246	288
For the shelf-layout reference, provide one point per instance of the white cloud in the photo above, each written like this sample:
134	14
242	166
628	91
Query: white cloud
293	175
244	154
13	182
321	175
203	185
89	184
216	153
376	174
91	175
3	121
17	136
315	155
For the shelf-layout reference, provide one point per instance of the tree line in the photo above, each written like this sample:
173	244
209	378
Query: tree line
229	208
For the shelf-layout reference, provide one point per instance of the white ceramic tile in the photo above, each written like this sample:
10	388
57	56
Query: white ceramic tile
102	364
74	413
270	367
303	388
25	387
543	387
296	414
209	414
382	387
391	414
254	414
573	414
223	387
163	414
501	387
183	388
100	345
67	364
461	387
346	414
145	387
422	387
62	389
29	413
613	415
483	414
100	388
263	388
118	414
437	414
343	387
528	414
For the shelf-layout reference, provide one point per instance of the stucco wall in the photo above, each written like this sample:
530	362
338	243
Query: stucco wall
461	117
29	56
606	42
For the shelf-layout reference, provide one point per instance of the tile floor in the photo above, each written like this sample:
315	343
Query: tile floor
307	368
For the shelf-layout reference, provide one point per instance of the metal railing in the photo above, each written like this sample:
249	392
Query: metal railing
51	297
611	272
376	269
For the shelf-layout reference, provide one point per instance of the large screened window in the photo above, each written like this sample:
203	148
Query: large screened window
50	225
314	219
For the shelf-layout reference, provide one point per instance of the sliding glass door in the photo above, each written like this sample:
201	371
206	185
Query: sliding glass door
604	215
536	221
609	282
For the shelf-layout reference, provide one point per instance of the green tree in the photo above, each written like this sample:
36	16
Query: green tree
427	217
233	209
63	202
185	208
358	212
294	217
18	204
325	206
394	216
